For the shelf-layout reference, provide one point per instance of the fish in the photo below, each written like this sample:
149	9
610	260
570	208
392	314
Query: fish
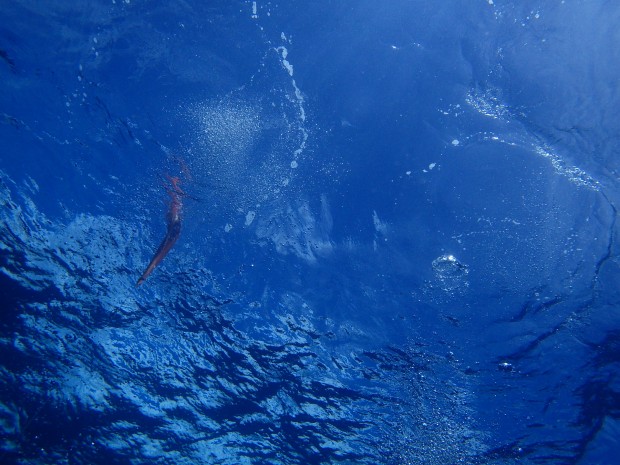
173	231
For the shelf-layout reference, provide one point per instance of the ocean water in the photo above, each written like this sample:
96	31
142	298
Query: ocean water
398	232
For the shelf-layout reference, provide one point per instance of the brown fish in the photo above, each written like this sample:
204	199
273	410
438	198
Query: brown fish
173	231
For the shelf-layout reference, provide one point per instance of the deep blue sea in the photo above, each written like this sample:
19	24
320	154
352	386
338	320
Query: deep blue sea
398	232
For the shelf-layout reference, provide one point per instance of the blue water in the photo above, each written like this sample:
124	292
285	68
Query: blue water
398	244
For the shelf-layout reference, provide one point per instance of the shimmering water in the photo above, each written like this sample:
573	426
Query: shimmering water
398	238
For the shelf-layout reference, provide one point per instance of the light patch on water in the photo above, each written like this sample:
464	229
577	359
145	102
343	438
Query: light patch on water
431	166
574	174
296	230
243	147
298	96
230	127
380	226
250	143
249	217
488	103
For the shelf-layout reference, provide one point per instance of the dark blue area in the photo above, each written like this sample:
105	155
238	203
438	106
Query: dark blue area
398	232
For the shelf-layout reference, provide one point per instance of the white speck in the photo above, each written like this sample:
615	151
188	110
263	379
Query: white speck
432	165
249	217
94	39
408	173
294	164
490	2
228	227
455	142
254	15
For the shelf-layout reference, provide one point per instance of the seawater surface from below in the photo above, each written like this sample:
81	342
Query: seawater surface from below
398	237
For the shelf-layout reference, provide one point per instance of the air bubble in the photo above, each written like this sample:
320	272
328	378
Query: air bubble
450	272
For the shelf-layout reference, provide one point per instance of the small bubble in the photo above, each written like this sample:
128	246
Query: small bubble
505	366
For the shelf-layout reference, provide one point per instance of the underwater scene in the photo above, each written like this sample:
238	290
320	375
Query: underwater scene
309	232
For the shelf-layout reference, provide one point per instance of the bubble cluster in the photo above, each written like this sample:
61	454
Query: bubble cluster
450	273
250	143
